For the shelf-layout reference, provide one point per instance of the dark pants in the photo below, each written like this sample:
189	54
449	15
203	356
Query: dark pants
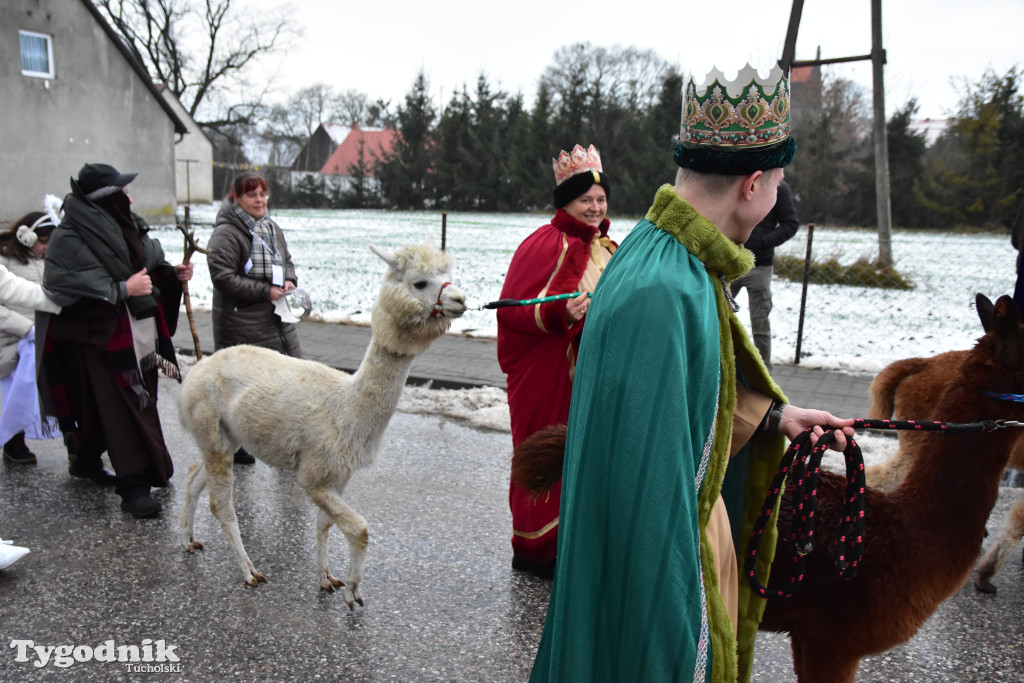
110	419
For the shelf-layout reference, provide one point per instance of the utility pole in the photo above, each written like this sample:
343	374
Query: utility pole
883	205
188	178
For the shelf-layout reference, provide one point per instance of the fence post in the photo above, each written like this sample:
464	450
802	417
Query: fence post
803	292
444	228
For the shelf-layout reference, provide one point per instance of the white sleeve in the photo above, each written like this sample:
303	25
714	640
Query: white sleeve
17	291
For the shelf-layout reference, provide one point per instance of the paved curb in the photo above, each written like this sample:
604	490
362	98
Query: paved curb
460	362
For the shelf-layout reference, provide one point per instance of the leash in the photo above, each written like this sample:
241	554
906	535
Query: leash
804	460
501	303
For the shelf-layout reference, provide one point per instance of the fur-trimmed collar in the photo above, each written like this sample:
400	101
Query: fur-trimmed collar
719	254
577	228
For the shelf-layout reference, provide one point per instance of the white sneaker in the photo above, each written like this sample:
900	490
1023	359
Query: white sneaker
10	554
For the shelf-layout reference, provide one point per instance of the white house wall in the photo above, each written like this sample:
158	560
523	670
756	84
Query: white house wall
96	108
193	158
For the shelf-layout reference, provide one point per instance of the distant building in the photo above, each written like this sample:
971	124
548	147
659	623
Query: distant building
193	157
361	149
73	94
805	90
321	144
356	148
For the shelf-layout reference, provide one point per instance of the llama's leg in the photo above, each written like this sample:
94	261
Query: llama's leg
350	523
195	482
993	560
219	481
796	646
323	530
819	665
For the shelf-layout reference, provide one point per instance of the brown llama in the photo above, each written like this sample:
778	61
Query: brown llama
910	389
920	540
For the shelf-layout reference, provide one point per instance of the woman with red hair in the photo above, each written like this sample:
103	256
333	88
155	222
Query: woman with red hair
251	270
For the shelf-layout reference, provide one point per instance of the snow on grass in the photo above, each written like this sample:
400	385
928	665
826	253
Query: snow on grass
854	329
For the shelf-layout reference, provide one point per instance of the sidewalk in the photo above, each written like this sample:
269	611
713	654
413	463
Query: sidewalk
458	362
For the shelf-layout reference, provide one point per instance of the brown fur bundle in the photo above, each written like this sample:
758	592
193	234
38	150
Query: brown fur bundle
537	460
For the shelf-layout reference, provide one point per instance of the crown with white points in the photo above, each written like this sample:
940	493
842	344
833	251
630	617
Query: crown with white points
736	126
578	161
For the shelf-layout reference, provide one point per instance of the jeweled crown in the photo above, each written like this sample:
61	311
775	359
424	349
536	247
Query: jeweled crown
744	113
579	160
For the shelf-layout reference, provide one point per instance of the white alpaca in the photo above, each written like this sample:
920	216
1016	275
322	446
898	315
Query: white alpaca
234	397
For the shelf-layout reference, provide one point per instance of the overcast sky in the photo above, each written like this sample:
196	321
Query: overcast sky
379	47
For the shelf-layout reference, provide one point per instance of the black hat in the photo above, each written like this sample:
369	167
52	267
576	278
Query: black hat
100	180
578	185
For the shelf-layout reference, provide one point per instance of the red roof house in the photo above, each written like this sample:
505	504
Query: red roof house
373	143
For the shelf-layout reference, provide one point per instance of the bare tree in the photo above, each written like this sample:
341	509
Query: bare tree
206	55
311	106
351	108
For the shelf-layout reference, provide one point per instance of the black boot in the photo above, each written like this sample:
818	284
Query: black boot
91	469
135	497
244	457
17	452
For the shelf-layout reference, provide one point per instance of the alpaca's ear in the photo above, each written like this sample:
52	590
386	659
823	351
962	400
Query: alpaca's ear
1008	344
986	311
429	242
1007	318
388	256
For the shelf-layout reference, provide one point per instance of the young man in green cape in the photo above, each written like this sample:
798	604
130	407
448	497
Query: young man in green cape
669	391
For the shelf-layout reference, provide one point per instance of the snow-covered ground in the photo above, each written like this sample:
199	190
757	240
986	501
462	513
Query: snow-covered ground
855	329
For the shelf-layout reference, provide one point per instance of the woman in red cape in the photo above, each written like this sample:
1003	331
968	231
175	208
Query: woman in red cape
537	344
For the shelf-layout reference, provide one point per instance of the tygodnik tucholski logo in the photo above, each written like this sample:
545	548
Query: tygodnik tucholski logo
150	656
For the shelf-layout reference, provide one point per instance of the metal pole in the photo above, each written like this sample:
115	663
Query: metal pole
444	228
803	292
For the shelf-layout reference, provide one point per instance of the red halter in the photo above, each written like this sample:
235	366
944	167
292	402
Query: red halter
438	308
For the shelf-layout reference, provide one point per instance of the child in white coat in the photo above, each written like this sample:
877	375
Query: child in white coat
17	291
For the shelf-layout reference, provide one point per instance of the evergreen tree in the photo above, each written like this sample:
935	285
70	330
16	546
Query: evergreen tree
452	179
405	172
906	166
541	146
360	193
523	166
977	179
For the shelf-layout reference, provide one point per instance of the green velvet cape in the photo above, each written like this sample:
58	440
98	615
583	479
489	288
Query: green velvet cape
635	595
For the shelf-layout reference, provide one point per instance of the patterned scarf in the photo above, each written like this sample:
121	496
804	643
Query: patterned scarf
264	253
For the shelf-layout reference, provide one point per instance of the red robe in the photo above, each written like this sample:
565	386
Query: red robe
537	350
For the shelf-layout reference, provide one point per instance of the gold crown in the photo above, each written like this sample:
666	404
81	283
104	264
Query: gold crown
743	113
579	161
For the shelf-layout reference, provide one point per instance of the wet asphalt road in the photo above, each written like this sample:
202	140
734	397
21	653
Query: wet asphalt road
441	600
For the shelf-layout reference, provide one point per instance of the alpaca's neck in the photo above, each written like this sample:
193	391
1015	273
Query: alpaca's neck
379	380
954	480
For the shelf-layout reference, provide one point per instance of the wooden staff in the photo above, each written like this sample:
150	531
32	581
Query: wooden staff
190	248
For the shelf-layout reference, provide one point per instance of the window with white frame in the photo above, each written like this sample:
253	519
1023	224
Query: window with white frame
36	54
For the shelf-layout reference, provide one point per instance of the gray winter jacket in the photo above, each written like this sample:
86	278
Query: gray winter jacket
242	311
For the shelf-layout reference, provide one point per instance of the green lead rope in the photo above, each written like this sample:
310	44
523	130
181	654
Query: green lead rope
501	303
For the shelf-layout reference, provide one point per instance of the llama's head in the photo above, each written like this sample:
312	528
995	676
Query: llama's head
996	364
417	301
